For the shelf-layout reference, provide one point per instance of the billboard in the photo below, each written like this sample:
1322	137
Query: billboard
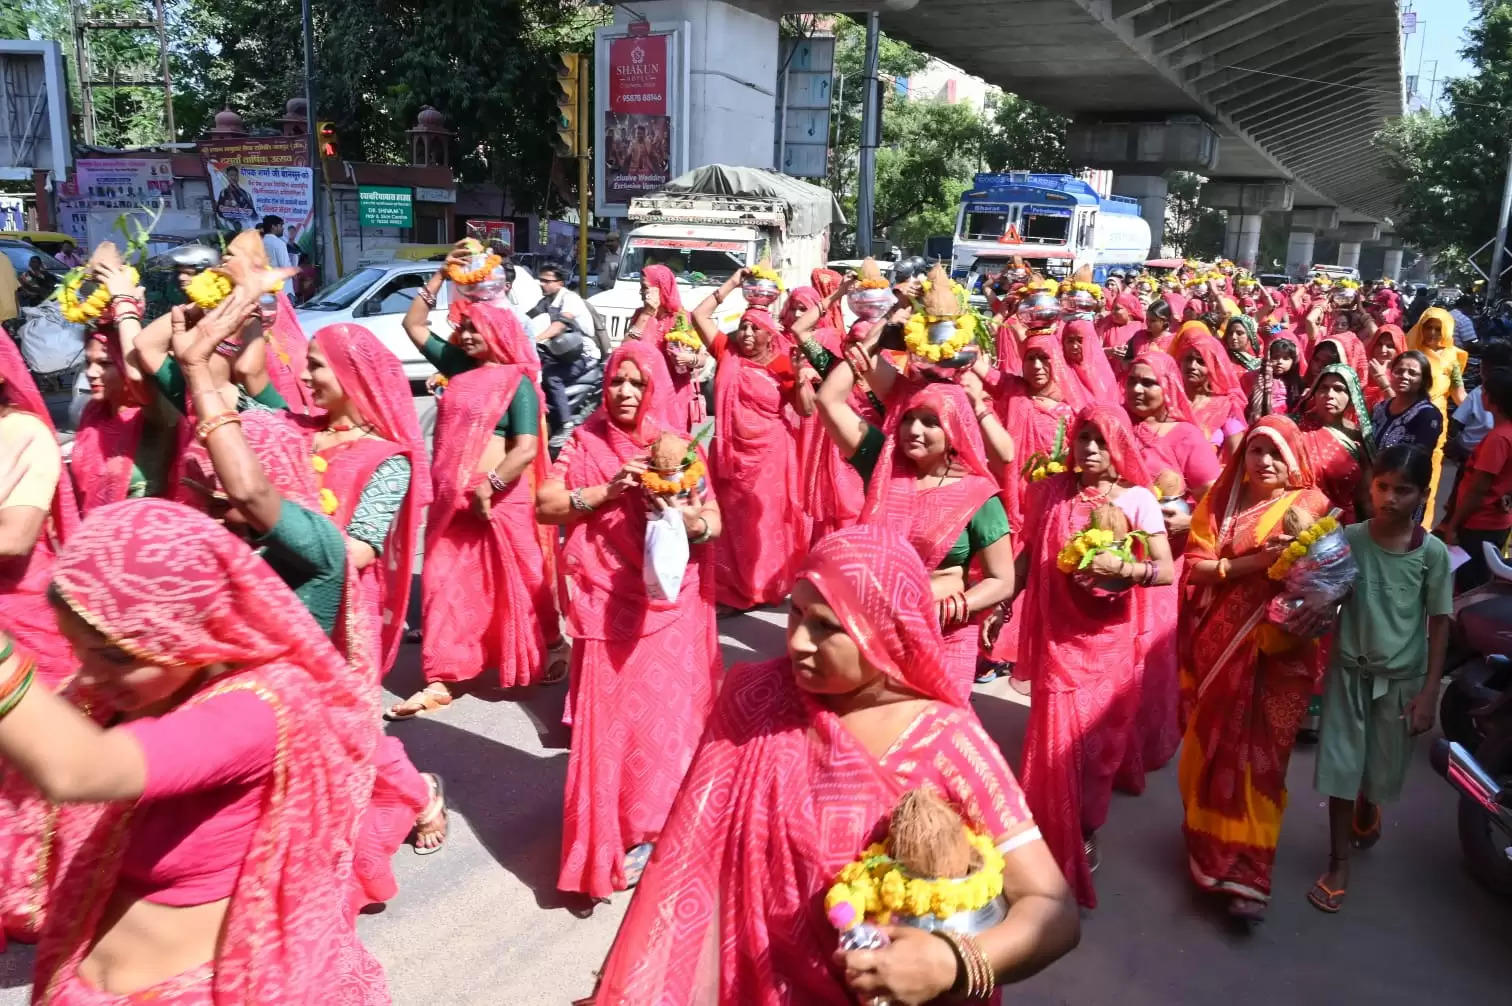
120	184
253	177
641	111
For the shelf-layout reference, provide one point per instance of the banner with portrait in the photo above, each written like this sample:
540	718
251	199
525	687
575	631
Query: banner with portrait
260	176
641	111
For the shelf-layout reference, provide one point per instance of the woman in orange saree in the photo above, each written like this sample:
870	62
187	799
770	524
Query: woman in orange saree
1247	684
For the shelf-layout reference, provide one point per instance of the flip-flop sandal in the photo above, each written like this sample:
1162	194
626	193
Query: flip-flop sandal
1325	898
427	700
558	663
434	809
635	863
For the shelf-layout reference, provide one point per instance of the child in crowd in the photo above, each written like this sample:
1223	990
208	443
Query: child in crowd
1482	510
1382	685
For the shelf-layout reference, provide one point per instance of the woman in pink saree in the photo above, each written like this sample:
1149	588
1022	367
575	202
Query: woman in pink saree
755	454
1085	639
927	477
644	671
1082	347
224	798
1125	318
486	583
1213	386
657	317
805	757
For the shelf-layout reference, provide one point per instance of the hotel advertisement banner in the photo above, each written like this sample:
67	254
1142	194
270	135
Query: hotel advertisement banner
640	123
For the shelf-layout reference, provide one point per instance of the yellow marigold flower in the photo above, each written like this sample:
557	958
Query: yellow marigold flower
918	897
893	891
328	501
1056	467
319	463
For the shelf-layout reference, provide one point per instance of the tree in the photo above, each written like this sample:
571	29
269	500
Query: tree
1451	166
1023	136
1194	230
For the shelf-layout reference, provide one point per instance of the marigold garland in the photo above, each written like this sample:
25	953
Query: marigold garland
319	463
684	336
1327	524
916	336
685	482
208	288
764	272
1078	553
877	887
1041	465
471	277
82	311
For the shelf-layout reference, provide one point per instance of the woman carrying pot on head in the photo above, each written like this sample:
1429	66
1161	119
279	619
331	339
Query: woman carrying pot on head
1085	647
760	392
927	477
1083	349
644	671
859	711
483	551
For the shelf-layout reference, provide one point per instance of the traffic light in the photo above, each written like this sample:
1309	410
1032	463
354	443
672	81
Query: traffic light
566	88
325	136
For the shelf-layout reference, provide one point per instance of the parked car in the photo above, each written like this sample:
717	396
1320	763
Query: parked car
377	298
1273	279
20	254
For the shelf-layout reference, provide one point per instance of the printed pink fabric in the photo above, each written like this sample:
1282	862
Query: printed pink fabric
288	348
487	598
644	672
105	446
1084	648
373	380
164	581
681	407
831	489
1094	371
1226	401
781	796
758	482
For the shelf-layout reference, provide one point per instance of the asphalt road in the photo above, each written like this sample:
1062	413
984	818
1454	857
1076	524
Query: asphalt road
480	923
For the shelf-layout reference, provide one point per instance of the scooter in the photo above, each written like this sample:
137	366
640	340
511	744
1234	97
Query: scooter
1484	778
1479	669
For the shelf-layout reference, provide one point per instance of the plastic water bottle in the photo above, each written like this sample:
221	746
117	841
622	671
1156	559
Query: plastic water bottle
856	935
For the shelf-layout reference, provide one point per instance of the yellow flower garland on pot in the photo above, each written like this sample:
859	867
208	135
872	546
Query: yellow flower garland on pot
765	272
208	288
82	311
916	336
667	487
685	337
876	887
1326	524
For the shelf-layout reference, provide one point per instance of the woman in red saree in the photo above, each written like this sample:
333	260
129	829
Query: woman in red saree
1124	319
1213	386
644	672
755	471
805	757
927	477
1085	639
225	796
486	584
1247	683
1170	440
1082	347
656	317
1336	439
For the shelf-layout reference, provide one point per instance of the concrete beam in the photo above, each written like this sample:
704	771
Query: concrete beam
1289	22
1303	60
1278	22
1313	141
1135	147
1273	117
1314	218
1356	232
1246	195
1221	20
1128	8
1240	109
1168	15
1305	70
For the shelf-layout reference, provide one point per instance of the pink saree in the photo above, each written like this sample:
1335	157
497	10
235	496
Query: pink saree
757	479
933	518
486	586
1084	649
685	407
644	672
209	599
781	796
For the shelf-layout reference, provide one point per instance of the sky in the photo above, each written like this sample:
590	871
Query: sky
1439	36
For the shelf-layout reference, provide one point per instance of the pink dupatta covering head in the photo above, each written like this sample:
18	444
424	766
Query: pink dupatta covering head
280	443
604	556
373	380
826	282
1115	335
1062	378
1227	398
1094	371
664	281
167	584
1168	374
931	518
500	331
779	797
287	349
1124	451
105	446
20	392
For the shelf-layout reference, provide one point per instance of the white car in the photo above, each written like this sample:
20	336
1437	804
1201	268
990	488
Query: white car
377	297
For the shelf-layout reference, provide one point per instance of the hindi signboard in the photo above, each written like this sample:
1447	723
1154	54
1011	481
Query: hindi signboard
385	206
260	176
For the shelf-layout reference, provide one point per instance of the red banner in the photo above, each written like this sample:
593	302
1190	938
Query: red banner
638	75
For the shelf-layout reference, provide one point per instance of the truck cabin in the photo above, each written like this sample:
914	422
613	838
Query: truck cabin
695	261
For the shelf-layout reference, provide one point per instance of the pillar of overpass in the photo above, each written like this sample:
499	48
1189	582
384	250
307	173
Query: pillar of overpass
1245	199
1306	222
1139	151
1349	254
732	76
1392	268
1351	236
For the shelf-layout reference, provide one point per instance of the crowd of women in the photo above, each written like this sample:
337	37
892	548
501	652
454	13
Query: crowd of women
197	795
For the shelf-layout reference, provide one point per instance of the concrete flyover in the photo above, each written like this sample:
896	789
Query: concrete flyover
1245	68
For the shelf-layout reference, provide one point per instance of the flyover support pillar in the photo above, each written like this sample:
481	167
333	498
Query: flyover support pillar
1151	191
1241	239
1349	254
1392	268
1299	252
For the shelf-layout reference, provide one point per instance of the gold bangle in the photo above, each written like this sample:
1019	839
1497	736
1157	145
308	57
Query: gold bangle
209	426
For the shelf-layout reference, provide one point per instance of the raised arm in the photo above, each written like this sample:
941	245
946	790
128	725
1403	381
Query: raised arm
703	315
127	301
417	318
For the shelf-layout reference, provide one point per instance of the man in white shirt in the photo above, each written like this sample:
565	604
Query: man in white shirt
272	228
568	313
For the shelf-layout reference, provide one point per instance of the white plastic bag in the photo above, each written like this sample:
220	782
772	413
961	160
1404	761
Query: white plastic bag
666	558
48	343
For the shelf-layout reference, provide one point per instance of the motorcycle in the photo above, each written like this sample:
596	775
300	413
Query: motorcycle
1479	669
1484	777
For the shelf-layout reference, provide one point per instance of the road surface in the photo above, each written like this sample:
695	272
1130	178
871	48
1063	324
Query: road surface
478	923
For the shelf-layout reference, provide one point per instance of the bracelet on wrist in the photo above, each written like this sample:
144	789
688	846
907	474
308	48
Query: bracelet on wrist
428	297
578	502
208	426
496	483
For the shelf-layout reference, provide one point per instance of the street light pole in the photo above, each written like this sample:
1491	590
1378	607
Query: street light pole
867	183
311	132
1499	251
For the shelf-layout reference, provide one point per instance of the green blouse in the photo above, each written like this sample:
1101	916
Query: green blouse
170	381
986	526
309	554
523	419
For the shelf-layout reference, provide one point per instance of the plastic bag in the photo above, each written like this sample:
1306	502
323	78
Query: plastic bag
666	556
48	343
1326	573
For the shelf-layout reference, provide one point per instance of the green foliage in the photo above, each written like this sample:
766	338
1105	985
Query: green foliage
1024	136
1195	231
1451	166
